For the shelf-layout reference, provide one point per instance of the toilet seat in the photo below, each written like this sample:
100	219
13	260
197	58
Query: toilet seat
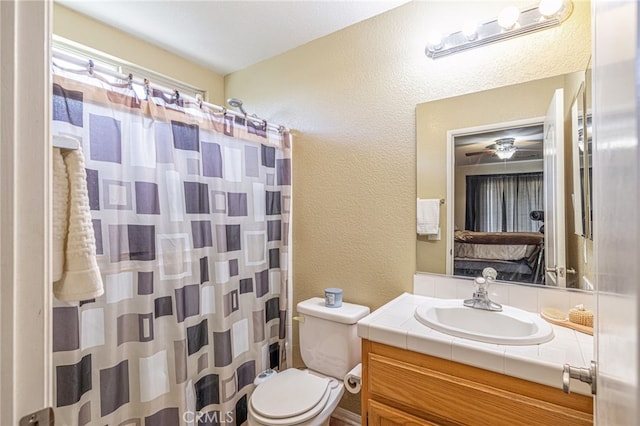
291	397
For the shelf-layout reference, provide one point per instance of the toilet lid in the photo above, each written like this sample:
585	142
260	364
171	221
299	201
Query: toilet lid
291	393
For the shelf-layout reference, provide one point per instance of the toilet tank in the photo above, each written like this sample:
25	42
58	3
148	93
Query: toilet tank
329	342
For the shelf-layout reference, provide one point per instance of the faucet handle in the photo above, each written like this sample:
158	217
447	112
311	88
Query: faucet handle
481	285
489	273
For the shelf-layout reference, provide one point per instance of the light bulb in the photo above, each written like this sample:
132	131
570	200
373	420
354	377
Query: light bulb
549	8
470	30
506	153
434	41
508	17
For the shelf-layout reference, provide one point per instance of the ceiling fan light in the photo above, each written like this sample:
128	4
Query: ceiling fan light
507	153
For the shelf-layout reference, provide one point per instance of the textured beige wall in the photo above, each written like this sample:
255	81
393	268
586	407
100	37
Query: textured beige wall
350	99
89	32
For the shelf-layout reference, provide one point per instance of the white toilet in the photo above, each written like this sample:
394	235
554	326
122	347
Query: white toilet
330	348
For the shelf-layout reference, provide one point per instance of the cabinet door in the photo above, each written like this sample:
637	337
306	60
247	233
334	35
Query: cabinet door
383	415
446	392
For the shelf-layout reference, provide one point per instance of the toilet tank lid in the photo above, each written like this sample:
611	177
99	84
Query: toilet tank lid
348	313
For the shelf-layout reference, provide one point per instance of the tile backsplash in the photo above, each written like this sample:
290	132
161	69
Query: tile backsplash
529	298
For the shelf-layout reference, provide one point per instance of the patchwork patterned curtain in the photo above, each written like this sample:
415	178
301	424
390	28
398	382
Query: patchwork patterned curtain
191	214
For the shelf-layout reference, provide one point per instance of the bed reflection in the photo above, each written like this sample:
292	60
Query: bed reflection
516	256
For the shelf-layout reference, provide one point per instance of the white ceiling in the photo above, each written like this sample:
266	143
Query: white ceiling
226	36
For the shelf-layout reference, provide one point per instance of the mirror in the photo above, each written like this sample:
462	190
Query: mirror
470	131
582	158
587	166
579	198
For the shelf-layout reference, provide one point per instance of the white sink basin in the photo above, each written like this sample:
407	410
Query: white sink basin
512	326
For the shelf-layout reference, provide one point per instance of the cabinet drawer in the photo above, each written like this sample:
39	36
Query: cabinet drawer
429	393
383	415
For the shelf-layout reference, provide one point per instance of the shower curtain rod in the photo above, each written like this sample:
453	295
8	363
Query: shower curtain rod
91	69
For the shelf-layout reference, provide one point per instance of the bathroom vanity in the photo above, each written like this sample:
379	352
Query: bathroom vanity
416	375
405	387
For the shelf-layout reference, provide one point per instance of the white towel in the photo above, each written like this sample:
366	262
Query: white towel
79	278
60	212
428	216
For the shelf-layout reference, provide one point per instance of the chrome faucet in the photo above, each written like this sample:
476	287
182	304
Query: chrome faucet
480	299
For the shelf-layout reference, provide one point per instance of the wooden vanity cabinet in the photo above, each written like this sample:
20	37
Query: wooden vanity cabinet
401	387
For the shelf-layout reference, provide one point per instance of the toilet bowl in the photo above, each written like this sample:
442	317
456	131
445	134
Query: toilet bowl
330	348
295	397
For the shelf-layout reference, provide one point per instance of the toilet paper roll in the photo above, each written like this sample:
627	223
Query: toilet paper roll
353	379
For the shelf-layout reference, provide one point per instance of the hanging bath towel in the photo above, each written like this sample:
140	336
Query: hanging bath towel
80	277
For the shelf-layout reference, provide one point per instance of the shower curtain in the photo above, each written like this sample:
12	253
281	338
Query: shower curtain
191	215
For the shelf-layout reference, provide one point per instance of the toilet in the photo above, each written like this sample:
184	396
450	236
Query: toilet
330	348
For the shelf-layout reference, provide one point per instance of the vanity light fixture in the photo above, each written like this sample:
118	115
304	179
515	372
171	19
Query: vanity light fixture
510	23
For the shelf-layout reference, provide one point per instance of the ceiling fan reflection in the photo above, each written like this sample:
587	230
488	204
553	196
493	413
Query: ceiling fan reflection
504	149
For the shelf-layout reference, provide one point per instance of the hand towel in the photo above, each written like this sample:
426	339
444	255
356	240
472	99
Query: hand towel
60	210
428	216
80	278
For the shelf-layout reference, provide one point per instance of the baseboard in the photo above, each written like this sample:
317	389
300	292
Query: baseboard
348	417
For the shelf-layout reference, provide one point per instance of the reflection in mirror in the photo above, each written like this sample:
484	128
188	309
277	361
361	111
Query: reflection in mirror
588	165
499	199
582	159
587	178
472	132
578	151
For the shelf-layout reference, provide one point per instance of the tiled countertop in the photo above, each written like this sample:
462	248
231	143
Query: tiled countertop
394	324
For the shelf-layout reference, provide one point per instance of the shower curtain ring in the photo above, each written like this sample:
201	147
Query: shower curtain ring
147	87
91	66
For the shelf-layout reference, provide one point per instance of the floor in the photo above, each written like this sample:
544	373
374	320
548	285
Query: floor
336	422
